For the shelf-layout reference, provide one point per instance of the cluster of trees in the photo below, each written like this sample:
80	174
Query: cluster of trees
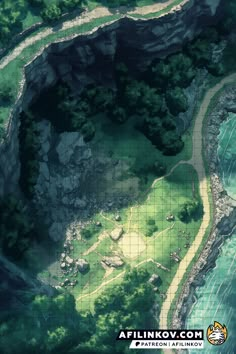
157	168
66	111
51	325
12	13
16	228
53	12
29	146
191	210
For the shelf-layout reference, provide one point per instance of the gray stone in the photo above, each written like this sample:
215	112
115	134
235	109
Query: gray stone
113	261
69	260
43	170
67	144
116	233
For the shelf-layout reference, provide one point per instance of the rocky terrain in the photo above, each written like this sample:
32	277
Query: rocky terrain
89	58
224	209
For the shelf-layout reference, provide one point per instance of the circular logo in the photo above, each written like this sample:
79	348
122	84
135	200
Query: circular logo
217	333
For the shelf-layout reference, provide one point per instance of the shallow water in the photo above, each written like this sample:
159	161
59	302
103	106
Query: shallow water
216	300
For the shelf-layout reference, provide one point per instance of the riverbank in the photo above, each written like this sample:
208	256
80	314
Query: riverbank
224	206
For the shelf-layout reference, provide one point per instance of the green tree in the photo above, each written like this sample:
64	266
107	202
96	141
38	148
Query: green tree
159	168
6	94
200	52
190	210
118	114
182	70
88	131
56	337
172	143
70	4
176	101
51	13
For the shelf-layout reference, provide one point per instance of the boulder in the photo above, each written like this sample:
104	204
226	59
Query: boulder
116	233
82	265
113	261
155	280
67	145
69	260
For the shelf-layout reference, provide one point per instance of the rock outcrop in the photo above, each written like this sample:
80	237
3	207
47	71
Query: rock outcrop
116	233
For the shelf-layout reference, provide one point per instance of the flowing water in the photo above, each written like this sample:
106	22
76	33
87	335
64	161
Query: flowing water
216	300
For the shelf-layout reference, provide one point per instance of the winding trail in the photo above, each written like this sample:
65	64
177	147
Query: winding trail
86	17
197	158
198	163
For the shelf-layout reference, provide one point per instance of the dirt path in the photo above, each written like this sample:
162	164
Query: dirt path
198	164
86	17
159	265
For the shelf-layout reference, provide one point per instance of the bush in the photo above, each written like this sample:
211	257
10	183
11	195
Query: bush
191	210
51	13
150	221
88	131
16	228
151	227
159	169
176	101
6	94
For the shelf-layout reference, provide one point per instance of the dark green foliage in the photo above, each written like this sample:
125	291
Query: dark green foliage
228	23
16	228
200	52
126	305
176	101
6	94
89	231
172	143
88	131
52	12
66	112
176	70
51	325
142	99
48	325
29	146
118	114
86	233
150	221
67	5
151	228
168	141
11	13
191	210
159	169
37	3
117	3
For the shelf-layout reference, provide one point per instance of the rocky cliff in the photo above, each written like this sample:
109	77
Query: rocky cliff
91	57
224	223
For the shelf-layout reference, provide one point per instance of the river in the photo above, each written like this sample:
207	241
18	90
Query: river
216	300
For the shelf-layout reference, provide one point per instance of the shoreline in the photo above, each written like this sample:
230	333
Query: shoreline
224	208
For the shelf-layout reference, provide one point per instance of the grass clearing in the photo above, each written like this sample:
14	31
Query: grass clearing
134	247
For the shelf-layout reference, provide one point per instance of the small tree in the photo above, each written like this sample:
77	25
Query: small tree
176	101
51	13
6	94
